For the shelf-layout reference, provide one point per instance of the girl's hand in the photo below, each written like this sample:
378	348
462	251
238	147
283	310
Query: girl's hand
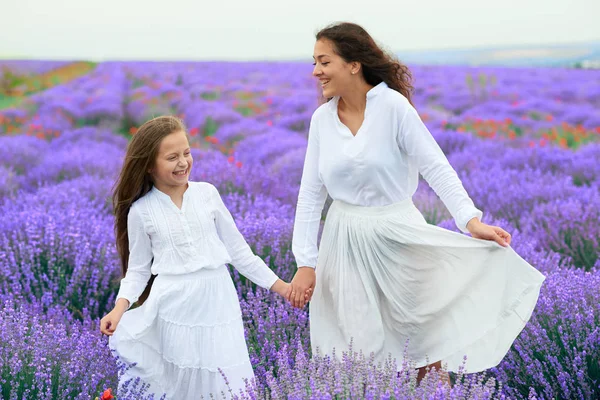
479	230
109	323
280	287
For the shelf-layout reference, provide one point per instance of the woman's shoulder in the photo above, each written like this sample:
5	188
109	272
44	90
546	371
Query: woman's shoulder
321	111
394	103
395	99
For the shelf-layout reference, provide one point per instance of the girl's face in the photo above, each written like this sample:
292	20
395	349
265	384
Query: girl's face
173	163
334	73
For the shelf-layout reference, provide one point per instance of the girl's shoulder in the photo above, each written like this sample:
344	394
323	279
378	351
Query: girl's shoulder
141	205
201	185
204	189
142	201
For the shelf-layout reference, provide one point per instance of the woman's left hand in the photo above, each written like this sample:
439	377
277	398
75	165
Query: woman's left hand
479	230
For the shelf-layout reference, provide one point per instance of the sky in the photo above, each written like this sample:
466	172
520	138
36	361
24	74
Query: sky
278	29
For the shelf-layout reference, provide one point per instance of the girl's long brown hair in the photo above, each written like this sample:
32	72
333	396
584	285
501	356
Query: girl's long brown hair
135	181
353	43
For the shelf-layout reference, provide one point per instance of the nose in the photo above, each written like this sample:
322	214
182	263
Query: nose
316	70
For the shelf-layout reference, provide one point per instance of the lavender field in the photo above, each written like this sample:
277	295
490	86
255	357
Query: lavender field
525	142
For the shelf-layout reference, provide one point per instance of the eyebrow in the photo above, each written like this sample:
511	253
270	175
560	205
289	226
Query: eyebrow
321	56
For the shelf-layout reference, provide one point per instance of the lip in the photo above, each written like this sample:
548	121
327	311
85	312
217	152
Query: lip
183	170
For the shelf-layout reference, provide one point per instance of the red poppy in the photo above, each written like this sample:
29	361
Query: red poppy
563	142
107	395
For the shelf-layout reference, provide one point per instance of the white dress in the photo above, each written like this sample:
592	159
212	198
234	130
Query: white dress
384	276
191	324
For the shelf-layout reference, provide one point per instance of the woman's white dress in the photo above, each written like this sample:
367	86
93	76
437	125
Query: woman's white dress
385	277
190	327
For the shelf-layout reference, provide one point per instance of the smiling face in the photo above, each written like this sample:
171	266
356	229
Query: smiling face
173	162
334	73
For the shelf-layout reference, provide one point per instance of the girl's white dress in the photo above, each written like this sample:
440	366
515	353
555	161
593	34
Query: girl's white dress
191	324
385	276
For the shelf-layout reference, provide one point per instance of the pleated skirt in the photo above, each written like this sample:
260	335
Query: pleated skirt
389	281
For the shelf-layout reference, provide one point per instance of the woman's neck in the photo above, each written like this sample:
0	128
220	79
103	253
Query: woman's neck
354	100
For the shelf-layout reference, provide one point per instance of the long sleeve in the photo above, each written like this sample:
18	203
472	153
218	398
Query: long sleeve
416	140
311	200
242	257
140	259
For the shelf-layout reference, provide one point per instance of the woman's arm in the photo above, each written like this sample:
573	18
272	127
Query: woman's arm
311	200
416	140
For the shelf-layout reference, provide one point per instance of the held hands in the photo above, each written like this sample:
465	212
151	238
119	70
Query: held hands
109	323
479	230
302	287
285	290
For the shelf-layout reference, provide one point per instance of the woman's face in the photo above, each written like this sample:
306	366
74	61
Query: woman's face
334	73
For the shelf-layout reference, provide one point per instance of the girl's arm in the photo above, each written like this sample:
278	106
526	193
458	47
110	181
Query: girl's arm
140	259
242	257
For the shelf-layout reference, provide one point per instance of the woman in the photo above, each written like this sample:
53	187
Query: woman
383	275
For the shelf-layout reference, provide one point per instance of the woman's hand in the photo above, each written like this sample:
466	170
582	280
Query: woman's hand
302	287
479	230
109	323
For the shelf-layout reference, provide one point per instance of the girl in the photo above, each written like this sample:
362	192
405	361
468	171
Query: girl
189	325
383	275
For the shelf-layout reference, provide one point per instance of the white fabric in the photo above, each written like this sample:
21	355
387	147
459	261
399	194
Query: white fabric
385	276
189	327
377	167
191	323
164	239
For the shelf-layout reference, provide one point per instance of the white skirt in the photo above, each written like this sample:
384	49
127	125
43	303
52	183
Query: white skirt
385	276
189	327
